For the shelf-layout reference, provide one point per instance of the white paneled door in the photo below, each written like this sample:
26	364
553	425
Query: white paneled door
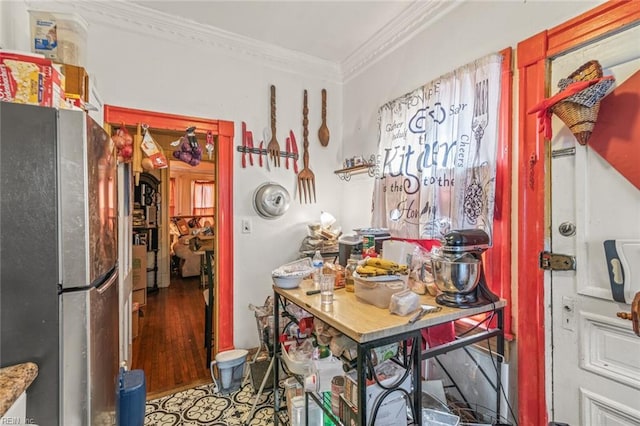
595	356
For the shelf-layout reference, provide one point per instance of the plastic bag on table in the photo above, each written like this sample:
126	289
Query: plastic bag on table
420	278
404	302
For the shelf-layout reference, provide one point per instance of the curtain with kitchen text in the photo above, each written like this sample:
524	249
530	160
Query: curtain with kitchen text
437	155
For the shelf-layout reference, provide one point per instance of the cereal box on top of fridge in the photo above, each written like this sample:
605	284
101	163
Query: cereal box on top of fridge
25	78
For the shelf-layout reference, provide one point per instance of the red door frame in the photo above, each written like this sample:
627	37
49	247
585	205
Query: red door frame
533	57
497	260
224	130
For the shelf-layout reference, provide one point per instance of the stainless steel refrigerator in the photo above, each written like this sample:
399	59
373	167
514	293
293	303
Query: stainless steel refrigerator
58	261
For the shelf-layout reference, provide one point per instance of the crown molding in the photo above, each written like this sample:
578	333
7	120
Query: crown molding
415	18
139	19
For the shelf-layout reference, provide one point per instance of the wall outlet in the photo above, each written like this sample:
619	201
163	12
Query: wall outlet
246	226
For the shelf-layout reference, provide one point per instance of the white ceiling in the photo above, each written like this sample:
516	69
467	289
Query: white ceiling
329	30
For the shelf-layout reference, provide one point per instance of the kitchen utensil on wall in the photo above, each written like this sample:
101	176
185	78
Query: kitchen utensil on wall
250	146
323	131
288	148
306	178
271	200
273	147
243	161
260	155
266	134
294	148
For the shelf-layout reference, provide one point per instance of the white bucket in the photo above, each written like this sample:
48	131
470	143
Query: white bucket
231	369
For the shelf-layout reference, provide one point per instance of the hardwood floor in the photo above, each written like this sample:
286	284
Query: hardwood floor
170	342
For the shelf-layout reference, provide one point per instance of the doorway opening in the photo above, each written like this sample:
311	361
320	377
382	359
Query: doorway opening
173	312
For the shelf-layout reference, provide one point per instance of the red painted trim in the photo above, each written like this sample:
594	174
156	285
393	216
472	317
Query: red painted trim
604	19
534	49
532	159
530	339
223	327
158	120
497	260
224	130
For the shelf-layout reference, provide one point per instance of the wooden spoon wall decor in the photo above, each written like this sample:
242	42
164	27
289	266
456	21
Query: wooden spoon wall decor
323	131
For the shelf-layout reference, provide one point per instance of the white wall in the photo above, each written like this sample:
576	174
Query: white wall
149	69
3	28
470	31
143	66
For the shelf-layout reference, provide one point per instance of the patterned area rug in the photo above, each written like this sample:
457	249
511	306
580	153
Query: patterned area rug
201	406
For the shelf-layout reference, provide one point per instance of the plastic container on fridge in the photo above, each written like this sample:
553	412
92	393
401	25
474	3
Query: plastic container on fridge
61	37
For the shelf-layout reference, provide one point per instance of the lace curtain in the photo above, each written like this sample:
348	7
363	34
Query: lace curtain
437	154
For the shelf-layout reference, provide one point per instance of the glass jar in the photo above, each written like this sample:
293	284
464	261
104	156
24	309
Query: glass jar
352	264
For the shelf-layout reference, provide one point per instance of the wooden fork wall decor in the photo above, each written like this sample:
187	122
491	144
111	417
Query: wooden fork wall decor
306	178
273	147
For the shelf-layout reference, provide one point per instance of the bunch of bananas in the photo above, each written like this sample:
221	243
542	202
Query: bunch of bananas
378	266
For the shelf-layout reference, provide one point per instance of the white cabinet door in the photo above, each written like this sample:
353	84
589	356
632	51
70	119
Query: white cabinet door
595	355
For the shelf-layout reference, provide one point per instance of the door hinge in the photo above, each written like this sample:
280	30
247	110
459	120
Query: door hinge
557	262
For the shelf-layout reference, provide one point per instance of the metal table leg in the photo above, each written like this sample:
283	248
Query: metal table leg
416	357
500	349
276	358
412	361
362	353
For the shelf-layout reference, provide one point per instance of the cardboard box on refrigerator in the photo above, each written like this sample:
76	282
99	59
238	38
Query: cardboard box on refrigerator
139	267
25	79
57	87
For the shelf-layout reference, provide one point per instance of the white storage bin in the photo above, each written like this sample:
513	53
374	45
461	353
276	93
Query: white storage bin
377	293
298	412
327	369
61	37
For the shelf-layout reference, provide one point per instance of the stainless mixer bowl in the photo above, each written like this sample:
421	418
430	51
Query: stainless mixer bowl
456	275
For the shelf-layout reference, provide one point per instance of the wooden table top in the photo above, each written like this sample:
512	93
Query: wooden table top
364	322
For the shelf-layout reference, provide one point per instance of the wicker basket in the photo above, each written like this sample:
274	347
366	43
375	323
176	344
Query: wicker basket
579	118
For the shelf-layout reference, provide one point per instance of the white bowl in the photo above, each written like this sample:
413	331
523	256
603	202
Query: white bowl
297	268
287	282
